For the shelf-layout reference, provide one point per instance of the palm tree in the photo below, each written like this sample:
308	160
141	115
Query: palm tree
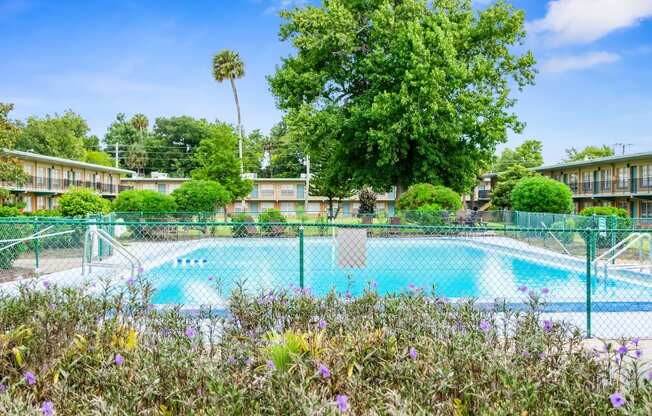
228	65
140	122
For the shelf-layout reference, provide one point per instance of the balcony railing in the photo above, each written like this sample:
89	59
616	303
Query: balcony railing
39	183
618	186
484	194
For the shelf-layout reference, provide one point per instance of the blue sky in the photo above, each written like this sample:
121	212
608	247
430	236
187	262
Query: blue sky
99	58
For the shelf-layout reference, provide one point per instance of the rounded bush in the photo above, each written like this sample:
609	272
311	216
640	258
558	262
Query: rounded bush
542	194
604	210
79	202
201	195
271	216
142	200
9	211
425	194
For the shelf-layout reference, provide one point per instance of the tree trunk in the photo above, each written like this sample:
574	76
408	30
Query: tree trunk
237	108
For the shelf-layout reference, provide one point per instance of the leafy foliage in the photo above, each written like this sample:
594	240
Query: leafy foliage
542	194
59	135
216	159
201	195
501	194
528	155
143	200
385	354
269	220
425	194
284	154
605	211
99	158
588	153
9	211
367	198
79	202
411	91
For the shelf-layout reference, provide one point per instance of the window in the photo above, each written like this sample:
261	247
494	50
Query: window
266	205
314	207
623	205
586	182
572	181
288	208
288	190
161	188
28	203
605	179
40	202
254	191
646	176
622	178
267	191
646	209
40	176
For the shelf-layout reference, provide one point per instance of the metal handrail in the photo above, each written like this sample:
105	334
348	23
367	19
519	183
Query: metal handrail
617	250
37	235
135	262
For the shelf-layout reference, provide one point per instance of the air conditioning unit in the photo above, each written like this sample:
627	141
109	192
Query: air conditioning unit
159	175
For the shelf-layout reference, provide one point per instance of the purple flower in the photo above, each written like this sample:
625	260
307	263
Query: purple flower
52	306
324	371
342	402
230	360
348	295
649	376
119	359
210	278
545	291
249	361
635	341
130	281
47	408
617	399
617	360
413	353
321	324
522	288
374	284
140	270
542	356
3	388
30	378
638	354
271	365
485	326
190	332
525	354
547	325
622	350
46	284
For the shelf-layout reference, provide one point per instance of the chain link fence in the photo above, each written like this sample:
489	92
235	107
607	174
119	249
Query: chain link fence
598	279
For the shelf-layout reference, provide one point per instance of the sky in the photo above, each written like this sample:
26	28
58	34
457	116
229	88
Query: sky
99	58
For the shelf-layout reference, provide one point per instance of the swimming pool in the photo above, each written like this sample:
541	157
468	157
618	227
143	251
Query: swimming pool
457	268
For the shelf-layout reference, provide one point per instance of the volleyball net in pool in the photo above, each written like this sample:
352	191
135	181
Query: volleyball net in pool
599	279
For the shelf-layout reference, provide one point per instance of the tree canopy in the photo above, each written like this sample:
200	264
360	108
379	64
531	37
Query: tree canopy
527	154
10	169
501	194
59	135
588	153
216	159
410	91
283	154
201	195
99	158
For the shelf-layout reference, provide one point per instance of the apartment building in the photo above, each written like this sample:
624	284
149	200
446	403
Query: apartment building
480	197
623	181
49	177
158	181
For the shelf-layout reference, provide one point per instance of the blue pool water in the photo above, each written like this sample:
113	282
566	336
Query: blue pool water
457	269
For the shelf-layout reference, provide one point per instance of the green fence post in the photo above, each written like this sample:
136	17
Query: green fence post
37	246
590	252
301	257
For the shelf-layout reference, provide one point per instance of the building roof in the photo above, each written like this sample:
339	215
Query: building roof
141	179
597	161
68	162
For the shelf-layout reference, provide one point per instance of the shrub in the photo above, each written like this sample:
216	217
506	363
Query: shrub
425	194
381	353
501	194
201	195
605	211
240	229
613	219
6	211
271	216
542	194
43	213
565	237
430	214
79	202
367	201
142	200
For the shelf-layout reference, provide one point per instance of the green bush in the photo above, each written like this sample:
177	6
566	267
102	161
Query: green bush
542	194
605	211
430	214
425	194
613	219
43	213
239	229
79	202
566	237
405	354
267	219
143	200
6	211
201	195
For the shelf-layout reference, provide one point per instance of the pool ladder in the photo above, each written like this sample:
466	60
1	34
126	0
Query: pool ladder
608	259
93	235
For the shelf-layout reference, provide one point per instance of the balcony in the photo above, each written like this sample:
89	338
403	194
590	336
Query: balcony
52	185
616	187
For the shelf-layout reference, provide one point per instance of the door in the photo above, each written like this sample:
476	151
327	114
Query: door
632	209
49	178
596	182
633	177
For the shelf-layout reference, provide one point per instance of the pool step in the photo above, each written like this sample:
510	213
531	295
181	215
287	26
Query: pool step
186	262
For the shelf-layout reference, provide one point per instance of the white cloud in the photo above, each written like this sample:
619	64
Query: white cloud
583	21
577	62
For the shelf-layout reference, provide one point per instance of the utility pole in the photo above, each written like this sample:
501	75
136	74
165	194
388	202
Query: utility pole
117	163
307	192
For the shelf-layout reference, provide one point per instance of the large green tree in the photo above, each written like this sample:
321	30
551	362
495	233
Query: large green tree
228	65
216	159
411	91
501	195
10	169
283	154
528	154
60	135
329	181
589	152
201	196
